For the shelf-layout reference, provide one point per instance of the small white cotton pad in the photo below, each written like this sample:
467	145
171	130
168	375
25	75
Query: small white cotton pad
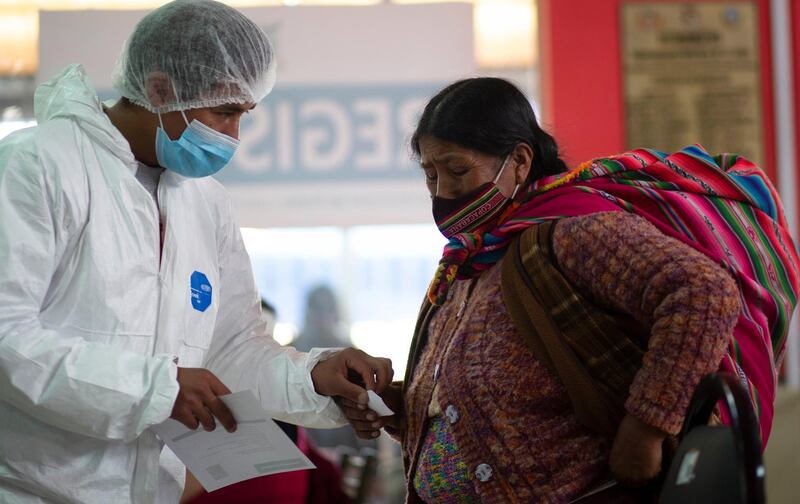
377	405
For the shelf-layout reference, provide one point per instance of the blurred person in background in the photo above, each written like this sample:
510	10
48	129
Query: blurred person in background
127	294
574	311
324	327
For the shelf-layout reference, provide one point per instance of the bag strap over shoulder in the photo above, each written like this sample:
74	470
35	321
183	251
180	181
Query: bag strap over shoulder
582	345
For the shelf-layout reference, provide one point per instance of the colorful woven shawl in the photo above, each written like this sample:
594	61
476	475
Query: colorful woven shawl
723	206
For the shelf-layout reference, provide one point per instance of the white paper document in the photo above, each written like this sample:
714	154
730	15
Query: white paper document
377	405
220	458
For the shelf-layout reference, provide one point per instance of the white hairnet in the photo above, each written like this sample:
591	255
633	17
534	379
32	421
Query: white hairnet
192	54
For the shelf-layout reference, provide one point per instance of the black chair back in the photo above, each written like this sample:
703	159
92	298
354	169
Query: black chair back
717	464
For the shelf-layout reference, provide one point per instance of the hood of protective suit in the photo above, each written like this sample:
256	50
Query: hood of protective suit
70	95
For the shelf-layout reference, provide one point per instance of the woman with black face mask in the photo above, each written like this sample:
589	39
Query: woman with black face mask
574	311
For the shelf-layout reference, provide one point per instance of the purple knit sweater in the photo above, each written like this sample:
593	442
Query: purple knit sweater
509	417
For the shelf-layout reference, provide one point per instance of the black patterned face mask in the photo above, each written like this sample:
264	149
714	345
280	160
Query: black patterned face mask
473	211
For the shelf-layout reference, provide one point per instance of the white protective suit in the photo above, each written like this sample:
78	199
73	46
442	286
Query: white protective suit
91	322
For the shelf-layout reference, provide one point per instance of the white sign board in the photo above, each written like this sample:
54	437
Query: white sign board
329	146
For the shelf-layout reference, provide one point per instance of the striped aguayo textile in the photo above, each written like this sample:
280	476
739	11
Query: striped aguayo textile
723	206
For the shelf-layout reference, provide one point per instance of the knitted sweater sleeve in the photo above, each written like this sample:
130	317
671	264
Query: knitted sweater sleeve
689	303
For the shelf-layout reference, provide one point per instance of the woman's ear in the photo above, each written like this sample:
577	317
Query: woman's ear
522	159
159	89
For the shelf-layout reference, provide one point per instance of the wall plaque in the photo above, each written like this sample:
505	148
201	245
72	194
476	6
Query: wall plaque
691	74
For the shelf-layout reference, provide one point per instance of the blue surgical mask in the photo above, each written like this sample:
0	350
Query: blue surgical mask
199	152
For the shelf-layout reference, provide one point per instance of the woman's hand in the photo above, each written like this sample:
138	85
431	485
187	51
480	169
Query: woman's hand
366	422
350	373
635	457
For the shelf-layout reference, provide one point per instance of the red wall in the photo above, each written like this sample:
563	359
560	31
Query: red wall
582	77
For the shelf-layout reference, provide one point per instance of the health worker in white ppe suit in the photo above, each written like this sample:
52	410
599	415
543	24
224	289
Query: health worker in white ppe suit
126	293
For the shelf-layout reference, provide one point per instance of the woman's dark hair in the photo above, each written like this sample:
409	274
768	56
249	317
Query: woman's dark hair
489	115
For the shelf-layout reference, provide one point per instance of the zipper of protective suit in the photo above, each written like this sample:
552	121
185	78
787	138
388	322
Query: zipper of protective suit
161	225
157	204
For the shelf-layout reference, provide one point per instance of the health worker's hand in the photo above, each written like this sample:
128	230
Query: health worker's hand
635	457
349	373
366	422
198	400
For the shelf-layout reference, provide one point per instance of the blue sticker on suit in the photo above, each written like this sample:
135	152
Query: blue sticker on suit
201	291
